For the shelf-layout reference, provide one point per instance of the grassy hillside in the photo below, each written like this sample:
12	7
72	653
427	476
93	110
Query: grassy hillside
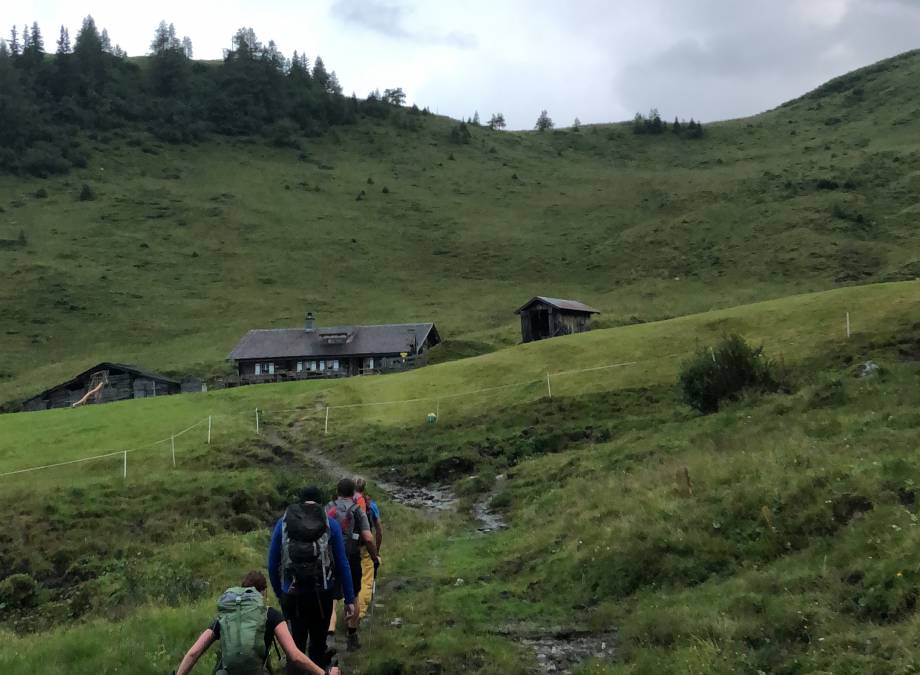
185	247
792	555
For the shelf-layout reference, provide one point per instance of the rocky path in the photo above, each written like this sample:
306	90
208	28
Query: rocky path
557	650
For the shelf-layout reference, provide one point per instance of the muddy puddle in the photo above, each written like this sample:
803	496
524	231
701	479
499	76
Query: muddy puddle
561	651
488	519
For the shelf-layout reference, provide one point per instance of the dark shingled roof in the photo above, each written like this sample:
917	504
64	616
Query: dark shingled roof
277	343
568	305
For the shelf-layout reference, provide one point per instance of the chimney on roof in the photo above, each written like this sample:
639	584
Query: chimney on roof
309	323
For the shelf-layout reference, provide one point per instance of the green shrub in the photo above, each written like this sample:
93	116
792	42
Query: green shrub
724	372
460	134
18	591
86	193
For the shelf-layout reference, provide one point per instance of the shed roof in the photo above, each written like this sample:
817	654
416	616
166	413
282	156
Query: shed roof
558	303
392	338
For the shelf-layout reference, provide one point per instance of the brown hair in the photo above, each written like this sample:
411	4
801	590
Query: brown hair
360	484
254	579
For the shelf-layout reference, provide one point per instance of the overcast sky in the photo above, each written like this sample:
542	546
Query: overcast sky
599	60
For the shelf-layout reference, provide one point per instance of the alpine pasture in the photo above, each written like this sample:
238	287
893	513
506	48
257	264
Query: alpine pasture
776	535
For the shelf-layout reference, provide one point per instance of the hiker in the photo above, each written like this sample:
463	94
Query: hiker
366	596
357	532
246	628
308	567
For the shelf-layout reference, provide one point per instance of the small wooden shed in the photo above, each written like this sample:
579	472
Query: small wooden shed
543	317
123	382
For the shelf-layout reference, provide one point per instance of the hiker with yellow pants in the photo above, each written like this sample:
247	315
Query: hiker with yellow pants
366	596
368	581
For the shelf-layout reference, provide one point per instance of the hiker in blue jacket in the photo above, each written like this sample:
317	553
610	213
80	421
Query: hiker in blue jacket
308	569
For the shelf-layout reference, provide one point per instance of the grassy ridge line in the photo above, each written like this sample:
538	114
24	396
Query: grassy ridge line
795	327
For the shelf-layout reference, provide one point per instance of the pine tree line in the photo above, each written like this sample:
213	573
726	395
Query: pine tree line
90	86
653	124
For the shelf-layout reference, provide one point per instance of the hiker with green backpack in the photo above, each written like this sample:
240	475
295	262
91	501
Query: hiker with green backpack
247	628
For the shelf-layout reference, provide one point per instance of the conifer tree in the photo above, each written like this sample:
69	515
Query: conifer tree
63	43
320	75
497	121
187	46
15	47
544	121
476	117
105	41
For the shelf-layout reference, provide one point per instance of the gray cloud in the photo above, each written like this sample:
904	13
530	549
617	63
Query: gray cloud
390	20
729	59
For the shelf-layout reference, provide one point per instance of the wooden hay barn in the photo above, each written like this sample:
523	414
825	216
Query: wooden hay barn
124	382
543	317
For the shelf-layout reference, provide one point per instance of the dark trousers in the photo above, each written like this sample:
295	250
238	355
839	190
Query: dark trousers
308	615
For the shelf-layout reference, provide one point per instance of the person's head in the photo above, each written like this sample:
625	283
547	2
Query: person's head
346	488
255	579
311	493
360	485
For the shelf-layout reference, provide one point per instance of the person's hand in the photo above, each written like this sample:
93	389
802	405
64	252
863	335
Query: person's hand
377	565
349	610
334	670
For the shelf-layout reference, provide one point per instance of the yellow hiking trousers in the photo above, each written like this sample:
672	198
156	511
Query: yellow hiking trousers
367	583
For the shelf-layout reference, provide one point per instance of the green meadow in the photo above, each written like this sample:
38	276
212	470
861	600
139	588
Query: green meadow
775	536
185	247
797	500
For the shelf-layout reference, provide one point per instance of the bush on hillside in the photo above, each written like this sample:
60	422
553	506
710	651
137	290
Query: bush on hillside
460	134
18	591
86	193
722	373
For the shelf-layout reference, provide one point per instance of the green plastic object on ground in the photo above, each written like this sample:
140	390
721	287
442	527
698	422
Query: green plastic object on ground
241	613
432	418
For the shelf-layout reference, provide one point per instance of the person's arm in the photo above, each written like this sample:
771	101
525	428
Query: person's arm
367	536
195	651
342	568
371	546
274	560
294	655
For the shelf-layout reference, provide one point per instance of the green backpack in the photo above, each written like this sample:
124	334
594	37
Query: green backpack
241	613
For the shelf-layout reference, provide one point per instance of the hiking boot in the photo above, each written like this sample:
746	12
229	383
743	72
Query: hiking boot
353	643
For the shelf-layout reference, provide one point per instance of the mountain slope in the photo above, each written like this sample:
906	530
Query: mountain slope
186	247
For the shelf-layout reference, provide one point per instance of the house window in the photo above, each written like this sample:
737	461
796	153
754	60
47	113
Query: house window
300	366
335	364
265	368
322	365
312	366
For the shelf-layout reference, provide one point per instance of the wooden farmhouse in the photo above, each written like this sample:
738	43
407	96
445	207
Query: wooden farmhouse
340	351
120	382
543	318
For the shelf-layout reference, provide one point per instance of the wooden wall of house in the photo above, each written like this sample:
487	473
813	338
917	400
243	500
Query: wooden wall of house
122	386
560	322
